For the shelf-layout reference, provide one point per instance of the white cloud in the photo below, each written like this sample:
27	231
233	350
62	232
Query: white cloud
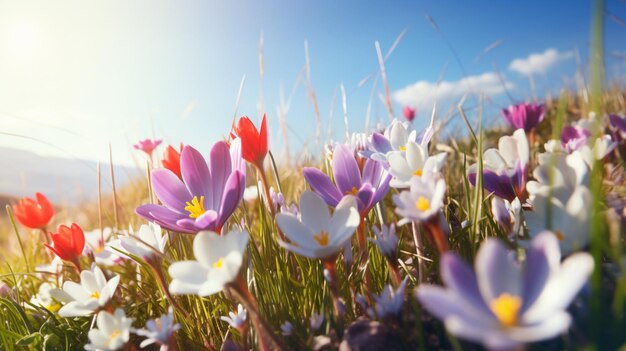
422	91
539	62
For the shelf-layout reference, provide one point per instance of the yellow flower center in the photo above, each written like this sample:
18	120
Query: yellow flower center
506	307
195	207
418	173
322	238
219	263
95	295
116	334
353	191
402	148
422	204
54	307
559	235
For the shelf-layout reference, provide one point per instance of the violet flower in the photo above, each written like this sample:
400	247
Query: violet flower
619	123
505	168
573	137
207	195
147	145
525	116
506	303
389	303
368	186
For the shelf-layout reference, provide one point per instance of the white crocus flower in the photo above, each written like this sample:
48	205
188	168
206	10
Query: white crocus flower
218	261
113	331
236	320
394	137
159	330
423	201
603	146
558	175
45	299
569	219
102	250
319	235
83	299
507	214
145	242
512	153
399	133
413	161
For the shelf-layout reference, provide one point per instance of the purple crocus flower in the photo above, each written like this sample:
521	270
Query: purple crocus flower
618	122
369	186
206	196
505	168
525	116
574	137
507	303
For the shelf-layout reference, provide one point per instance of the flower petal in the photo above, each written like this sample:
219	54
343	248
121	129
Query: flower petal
562	287
221	173
233	193
164	217
321	184
496	271
459	276
314	212
295	231
170	190
345	169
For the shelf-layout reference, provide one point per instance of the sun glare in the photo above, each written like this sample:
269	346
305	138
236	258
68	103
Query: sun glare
22	40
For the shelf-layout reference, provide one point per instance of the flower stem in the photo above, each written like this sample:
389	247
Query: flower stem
396	278
419	251
437	235
360	235
268	197
267	340
157	269
19	239
331	267
363	259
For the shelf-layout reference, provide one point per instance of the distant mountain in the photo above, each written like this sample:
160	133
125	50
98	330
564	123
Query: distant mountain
62	180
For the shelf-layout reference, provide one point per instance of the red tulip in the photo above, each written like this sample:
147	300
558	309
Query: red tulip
34	214
253	142
171	159
68	243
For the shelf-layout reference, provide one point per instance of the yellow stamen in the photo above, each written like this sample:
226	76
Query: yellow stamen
54	307
195	207
402	148
322	238
418	173
219	263
559	235
506	307
354	191
116	334
422	204
95	295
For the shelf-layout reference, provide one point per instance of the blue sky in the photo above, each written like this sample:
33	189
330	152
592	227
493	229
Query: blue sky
78	75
